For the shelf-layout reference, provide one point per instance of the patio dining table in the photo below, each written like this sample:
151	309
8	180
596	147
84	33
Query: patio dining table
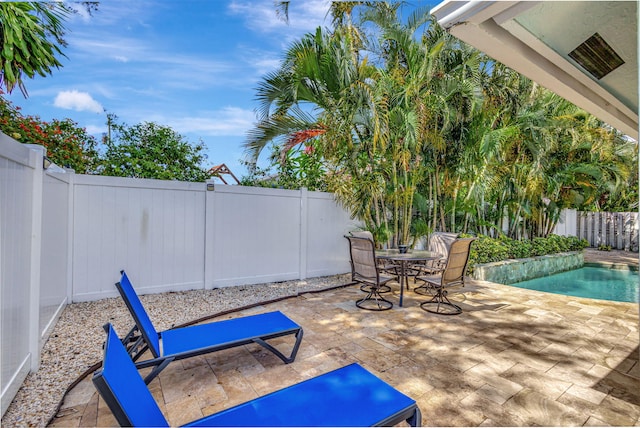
403	259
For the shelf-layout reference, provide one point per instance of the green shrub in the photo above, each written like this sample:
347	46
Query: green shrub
577	244
486	250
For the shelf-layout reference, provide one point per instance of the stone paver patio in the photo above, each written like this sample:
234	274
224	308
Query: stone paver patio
514	357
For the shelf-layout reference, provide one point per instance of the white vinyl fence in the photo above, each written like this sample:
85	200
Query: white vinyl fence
617	230
64	237
20	186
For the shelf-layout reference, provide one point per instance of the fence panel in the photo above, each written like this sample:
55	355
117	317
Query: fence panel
152	228
17	165
327	251
54	259
567	224
619	230
254	235
257	235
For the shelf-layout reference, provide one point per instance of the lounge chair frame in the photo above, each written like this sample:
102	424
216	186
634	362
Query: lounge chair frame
186	342
349	396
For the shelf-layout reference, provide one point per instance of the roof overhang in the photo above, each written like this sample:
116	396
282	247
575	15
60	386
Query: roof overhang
536	37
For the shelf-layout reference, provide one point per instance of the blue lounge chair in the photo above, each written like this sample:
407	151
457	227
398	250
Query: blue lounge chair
186	342
349	396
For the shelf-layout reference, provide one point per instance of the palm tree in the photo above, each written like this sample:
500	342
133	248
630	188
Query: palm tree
404	109
32	37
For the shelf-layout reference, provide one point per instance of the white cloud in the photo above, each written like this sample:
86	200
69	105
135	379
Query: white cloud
76	100
304	16
228	121
95	129
118	48
255	63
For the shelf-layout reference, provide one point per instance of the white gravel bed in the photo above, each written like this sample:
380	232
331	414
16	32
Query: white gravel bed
75	344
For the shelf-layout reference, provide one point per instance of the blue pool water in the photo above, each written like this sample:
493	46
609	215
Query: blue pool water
592	282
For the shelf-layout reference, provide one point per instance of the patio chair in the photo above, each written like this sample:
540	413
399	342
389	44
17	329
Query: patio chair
452	275
186	342
383	266
439	242
365	270
349	396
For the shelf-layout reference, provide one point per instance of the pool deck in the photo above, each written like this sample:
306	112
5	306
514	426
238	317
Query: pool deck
592	255
514	357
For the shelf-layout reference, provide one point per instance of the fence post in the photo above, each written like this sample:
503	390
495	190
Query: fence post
631	220
70	237
587	227
620	231
209	233
38	152
633	231
594	227
630	226
612	230
585	224
304	220
579	224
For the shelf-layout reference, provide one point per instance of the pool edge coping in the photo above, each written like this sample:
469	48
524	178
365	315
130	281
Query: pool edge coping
613	265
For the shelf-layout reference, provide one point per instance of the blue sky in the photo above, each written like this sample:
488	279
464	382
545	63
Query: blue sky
192	65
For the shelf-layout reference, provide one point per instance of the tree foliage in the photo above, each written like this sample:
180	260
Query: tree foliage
150	150
32	36
422	132
67	144
302	166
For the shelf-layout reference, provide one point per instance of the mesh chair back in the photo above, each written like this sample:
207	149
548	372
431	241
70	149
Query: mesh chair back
457	262
440	242
139	314
363	234
122	388
363	259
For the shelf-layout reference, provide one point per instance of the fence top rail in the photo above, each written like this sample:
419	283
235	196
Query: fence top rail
250	190
17	152
268	191
146	183
60	176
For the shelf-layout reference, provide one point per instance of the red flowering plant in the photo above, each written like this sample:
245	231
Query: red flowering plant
296	163
301	161
67	144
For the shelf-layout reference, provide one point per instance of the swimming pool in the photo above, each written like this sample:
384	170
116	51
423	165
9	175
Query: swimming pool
592	282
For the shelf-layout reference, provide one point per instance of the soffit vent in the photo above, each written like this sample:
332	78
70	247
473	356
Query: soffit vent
596	56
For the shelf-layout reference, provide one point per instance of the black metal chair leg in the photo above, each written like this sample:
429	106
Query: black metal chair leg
381	289
443	305
425	290
374	296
